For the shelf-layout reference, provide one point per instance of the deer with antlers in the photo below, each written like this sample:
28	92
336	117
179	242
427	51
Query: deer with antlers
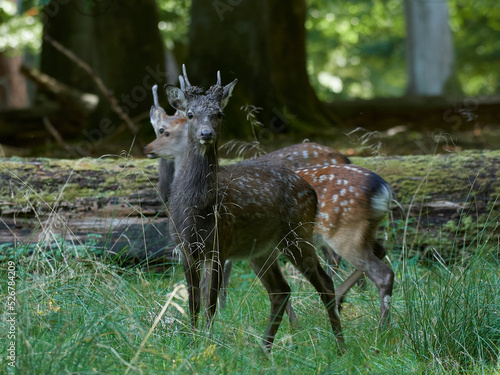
249	210
171	132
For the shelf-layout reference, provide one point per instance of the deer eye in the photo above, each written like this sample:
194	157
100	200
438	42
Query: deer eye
161	131
190	115
219	115
167	134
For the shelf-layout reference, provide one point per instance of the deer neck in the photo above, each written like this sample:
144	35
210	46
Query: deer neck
196	179
166	175
178	164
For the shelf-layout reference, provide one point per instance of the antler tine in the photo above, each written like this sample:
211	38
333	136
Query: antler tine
155	95
219	82
185	76
182	83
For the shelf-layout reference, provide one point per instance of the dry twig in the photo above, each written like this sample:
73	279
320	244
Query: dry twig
106	92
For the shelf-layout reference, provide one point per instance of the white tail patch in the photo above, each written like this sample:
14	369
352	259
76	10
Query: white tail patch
381	201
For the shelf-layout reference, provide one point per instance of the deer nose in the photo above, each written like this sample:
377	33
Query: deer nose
206	136
150	154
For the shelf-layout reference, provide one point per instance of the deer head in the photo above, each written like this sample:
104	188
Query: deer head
203	112
171	141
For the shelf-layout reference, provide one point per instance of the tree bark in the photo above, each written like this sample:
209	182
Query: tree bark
118	199
262	43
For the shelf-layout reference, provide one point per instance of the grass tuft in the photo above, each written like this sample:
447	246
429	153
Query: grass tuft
453	318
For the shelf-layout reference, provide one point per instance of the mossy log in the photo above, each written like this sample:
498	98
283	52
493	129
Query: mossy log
43	199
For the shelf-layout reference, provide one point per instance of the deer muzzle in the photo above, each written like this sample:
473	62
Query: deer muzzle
206	135
148	151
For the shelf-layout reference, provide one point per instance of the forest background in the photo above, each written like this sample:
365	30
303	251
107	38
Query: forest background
307	69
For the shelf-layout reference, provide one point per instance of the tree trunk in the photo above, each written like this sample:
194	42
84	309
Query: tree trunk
13	94
121	42
118	199
262	43
430	52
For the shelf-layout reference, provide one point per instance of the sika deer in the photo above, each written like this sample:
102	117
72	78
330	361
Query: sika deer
249	210
353	201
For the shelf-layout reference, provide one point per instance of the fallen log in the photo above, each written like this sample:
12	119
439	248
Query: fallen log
440	201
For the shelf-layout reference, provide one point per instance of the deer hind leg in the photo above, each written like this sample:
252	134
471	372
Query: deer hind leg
383	277
223	295
270	275
332	260
304	258
357	276
385	283
366	258
225	282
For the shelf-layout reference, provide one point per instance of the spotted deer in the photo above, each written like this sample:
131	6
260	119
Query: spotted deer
250	210
353	202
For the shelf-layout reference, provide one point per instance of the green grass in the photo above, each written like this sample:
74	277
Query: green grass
77	313
453	313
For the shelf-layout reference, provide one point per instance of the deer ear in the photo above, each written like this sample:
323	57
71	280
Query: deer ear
159	117
152	115
226	94
176	98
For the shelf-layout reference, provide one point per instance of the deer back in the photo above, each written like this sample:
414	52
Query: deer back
261	203
347	195
306	155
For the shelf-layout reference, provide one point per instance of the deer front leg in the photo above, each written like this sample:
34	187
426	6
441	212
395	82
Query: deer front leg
192	274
